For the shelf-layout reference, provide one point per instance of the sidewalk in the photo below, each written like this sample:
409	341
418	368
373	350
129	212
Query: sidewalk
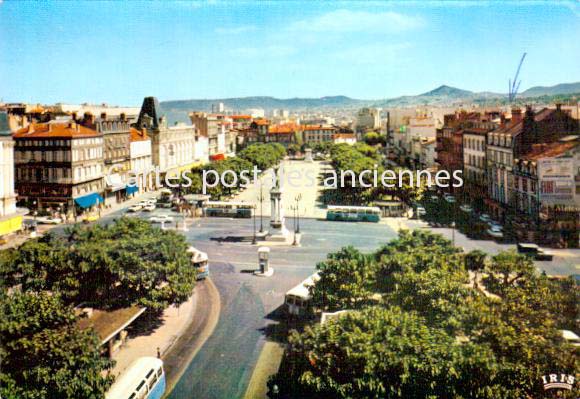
174	322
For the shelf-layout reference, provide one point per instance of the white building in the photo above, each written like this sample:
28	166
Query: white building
10	219
255	112
368	119
141	161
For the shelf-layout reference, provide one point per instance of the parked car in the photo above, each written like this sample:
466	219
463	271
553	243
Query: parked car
149	207
466	208
450	199
535	251
161	219
542	254
135	208
90	218
495	231
48	220
420	211
485	218
434	198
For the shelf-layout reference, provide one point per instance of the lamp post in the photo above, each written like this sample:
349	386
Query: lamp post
294	208
297	199
453	232
261	199
254	240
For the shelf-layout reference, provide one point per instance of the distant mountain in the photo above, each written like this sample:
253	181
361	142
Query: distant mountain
442	95
562	88
267	103
448	91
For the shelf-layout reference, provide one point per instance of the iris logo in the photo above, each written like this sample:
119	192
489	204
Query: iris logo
558	381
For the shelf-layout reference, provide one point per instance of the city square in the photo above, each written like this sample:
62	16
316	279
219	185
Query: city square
289	200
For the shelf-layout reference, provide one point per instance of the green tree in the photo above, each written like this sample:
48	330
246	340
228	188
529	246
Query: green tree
346	281
126	262
44	353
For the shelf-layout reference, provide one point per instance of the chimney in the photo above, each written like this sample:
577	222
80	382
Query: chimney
516	115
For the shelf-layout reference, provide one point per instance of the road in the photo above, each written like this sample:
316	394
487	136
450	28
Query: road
223	367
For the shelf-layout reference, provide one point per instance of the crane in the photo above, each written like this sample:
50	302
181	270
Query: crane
515	85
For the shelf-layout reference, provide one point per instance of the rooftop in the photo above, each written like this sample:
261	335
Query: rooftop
550	150
108	323
56	129
137	135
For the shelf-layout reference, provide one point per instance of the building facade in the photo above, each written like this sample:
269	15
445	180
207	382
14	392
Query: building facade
172	148
514	138
318	134
59	165
10	217
140	161
546	194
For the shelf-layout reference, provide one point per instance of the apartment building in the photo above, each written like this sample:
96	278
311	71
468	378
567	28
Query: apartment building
172	147
10	216
59	165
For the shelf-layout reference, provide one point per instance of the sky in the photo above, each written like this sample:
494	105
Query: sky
120	52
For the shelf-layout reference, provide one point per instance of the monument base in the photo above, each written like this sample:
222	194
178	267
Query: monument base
278	235
268	273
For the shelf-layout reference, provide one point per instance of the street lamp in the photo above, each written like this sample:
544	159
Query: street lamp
297	199
453	232
254	240
261	199
294	208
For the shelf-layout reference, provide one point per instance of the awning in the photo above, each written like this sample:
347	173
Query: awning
132	189
115	182
89	200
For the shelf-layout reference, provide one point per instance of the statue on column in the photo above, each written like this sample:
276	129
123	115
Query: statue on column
278	230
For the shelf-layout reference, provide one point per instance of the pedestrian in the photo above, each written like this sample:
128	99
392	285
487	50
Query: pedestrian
158	353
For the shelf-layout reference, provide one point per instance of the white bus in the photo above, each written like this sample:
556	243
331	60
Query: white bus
297	300
144	379
200	261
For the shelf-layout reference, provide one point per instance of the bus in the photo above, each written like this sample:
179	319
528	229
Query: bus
353	213
144	379
297	300
228	209
200	261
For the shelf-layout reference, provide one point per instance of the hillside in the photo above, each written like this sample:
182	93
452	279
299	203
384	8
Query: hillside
442	95
563	88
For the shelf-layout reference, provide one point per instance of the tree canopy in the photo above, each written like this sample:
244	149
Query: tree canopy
123	263
44	353
416	327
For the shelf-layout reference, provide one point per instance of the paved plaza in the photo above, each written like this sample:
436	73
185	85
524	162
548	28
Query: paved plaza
308	187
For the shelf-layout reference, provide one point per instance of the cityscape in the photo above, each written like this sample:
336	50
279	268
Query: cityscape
239	230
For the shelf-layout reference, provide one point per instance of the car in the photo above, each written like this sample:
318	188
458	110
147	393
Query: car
542	254
485	218
535	251
143	203
90	218
135	208
434	198
450	199
149	208
152	200
495	231
466	208
161	219
420	211
48	220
